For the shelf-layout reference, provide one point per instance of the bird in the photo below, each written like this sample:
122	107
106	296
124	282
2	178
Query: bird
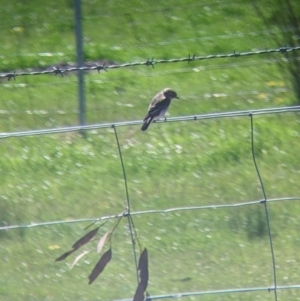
159	106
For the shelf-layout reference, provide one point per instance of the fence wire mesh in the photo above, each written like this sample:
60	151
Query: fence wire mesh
264	201
171	210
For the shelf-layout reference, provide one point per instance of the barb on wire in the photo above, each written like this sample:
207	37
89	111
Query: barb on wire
265	205
154	211
276	110
152	62
58	71
236	54
283	49
99	68
11	75
191	58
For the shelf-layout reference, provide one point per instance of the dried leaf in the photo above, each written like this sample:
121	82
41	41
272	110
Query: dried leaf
85	239
139	294
64	256
78	258
143	258
144	275
143	267
101	264
101	242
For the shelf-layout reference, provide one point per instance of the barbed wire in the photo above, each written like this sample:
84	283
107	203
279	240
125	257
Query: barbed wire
149	62
195	117
140	74
156	74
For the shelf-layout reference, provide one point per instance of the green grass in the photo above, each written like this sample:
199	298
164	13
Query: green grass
208	162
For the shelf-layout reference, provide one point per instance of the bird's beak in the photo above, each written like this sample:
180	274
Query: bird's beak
177	97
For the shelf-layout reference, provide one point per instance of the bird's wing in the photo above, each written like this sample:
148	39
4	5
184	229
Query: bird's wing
156	107
157	98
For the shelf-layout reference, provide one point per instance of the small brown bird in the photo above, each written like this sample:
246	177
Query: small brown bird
159	106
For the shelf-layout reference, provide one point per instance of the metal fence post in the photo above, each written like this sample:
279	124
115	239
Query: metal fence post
80	60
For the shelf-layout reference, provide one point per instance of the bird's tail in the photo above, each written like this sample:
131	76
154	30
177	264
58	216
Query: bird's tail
146	123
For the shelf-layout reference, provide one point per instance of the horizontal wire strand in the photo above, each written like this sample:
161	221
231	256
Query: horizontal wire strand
149	62
215	292
275	110
154	211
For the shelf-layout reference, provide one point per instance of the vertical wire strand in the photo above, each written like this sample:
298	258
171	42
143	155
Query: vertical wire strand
130	224
135	233
265	205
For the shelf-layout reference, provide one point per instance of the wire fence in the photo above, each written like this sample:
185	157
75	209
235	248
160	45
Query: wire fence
251	114
149	62
138	122
265	201
69	111
155	211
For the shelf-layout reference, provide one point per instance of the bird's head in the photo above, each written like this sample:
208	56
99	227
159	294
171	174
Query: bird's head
169	93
